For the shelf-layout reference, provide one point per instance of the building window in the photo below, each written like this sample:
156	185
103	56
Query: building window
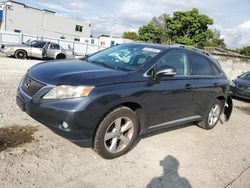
76	39
102	43
78	28
17	30
92	41
62	37
86	41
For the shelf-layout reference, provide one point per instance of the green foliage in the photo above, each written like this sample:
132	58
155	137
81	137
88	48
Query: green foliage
103	35
245	51
149	33
188	27
130	35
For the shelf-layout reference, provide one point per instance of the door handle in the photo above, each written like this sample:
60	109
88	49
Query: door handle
188	86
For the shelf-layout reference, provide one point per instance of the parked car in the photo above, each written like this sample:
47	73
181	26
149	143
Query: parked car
240	87
37	49
119	94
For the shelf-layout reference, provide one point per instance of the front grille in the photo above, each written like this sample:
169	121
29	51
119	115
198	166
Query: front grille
31	86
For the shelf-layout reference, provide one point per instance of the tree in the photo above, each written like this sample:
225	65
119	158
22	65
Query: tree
216	40
188	27
130	35
245	51
104	35
149	33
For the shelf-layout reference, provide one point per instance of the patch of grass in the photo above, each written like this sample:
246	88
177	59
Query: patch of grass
15	135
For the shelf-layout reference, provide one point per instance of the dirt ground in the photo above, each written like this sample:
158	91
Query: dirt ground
185	157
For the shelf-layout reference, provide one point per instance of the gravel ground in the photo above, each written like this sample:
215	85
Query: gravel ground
185	157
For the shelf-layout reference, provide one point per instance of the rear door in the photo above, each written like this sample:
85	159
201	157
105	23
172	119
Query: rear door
206	82
52	50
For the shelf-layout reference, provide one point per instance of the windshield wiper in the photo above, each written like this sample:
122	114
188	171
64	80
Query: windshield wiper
111	67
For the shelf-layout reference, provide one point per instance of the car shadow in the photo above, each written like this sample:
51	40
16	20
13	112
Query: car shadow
156	132
242	100
170	177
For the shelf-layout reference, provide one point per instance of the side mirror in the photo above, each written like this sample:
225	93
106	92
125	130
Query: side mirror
166	72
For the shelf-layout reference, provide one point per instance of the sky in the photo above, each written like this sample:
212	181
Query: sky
231	17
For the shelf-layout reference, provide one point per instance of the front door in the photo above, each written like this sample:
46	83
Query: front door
37	49
170	97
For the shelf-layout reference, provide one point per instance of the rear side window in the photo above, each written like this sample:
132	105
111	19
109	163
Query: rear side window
199	65
215	69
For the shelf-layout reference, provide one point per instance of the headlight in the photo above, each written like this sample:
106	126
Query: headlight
232	83
67	92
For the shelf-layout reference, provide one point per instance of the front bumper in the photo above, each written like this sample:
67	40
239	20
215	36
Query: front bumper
80	114
236	92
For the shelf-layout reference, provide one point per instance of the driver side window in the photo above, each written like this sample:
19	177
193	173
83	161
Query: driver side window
177	60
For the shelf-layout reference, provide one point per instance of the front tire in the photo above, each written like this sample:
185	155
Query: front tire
212	115
20	54
116	133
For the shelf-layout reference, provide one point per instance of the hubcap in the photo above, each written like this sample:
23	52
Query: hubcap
214	115
119	134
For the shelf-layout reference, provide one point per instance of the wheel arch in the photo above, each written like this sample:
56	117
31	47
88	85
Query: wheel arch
60	54
136	107
21	50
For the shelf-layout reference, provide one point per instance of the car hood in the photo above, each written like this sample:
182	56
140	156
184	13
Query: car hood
75	72
242	82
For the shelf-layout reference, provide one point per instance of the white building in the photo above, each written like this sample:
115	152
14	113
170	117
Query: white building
21	18
104	41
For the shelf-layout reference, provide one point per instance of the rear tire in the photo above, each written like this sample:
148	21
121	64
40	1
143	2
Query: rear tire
20	54
60	56
117	133
212	115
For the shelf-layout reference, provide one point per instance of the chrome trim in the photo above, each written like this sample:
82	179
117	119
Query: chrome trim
23	93
46	84
191	118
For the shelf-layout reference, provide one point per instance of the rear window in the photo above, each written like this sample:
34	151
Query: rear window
215	69
199	65
54	46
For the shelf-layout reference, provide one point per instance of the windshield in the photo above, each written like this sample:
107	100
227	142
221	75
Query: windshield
245	76
31	43
127	57
36	43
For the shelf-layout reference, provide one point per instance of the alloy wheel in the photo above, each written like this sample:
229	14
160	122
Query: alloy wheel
214	115
119	134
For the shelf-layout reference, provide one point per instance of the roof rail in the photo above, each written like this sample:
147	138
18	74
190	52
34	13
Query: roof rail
192	48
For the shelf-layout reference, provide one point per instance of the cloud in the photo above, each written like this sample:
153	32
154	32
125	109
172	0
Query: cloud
238	36
67	6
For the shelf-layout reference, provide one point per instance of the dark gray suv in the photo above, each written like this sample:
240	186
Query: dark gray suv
117	95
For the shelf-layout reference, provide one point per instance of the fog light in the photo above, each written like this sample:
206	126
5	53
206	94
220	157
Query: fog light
65	125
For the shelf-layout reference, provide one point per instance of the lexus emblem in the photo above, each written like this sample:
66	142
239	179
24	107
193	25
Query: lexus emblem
27	83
